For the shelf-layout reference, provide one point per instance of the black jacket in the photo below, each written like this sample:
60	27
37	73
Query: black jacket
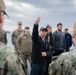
51	41
59	39
51	45
38	46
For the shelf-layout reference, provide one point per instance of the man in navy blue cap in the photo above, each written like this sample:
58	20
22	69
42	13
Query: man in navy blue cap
39	50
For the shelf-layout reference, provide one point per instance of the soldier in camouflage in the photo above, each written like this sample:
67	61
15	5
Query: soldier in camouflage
10	63
16	33
65	64
3	36
24	44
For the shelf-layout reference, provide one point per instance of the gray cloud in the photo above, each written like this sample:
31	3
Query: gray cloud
51	12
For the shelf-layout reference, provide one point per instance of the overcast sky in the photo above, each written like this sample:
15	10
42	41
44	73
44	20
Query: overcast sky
51	12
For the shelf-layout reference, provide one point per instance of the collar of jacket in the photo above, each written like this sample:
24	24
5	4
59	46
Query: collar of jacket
19	29
59	31
41	38
29	35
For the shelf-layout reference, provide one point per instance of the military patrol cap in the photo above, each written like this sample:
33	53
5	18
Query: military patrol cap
74	28
19	23
2	5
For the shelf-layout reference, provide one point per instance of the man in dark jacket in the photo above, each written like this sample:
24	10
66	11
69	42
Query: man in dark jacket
68	38
50	40
39	50
59	39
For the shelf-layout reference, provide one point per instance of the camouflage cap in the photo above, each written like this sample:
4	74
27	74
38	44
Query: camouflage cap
2	6
74	28
19	23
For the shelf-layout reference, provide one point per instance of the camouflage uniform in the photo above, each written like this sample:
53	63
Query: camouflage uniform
65	64
9	62
15	34
3	36
24	44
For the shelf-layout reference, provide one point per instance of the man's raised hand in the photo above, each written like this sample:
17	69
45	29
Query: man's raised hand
37	20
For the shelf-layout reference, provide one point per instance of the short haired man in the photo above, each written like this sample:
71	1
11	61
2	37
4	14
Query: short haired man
15	35
39	50
24	45
59	40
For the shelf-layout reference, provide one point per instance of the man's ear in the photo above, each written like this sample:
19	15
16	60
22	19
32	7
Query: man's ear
0	18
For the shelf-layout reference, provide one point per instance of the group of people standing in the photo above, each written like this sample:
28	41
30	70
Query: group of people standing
34	47
45	45
40	47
